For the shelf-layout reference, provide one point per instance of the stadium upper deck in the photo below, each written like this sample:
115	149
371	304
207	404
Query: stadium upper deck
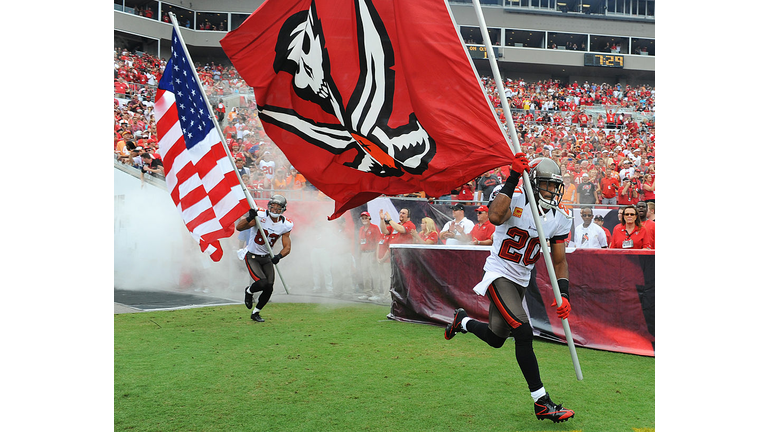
611	41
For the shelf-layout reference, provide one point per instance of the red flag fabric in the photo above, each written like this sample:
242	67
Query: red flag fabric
368	97
199	174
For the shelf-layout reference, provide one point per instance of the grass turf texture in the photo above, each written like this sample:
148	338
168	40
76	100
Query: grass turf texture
313	367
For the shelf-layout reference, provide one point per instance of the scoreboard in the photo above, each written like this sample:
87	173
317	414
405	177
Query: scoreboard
604	60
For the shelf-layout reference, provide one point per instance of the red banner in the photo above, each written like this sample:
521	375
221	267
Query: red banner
348	91
612	293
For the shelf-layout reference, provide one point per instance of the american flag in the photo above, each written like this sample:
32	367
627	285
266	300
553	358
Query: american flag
199	174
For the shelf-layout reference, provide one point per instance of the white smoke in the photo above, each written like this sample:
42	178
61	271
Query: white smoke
154	250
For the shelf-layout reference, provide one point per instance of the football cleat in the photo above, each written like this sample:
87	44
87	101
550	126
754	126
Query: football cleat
256	317
546	409
455	327
248	298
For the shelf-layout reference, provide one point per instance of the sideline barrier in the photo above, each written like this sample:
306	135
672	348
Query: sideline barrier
612	293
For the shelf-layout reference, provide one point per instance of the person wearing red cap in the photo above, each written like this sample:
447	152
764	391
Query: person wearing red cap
482	232
368	239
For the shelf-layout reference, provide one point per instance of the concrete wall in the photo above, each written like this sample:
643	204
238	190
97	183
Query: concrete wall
514	62
565	23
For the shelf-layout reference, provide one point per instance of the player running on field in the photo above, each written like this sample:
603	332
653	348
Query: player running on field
260	265
508	270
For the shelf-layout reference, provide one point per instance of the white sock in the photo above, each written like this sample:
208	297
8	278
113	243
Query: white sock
464	323
538	394
255	311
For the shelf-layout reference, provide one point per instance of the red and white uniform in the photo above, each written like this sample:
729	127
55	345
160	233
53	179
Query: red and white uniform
516	245
273	230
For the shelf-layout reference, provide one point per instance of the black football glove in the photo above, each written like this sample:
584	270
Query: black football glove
251	215
276	258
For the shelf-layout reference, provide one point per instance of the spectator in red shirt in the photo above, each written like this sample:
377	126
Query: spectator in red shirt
428	233
627	193
649	188
401	231
649	225
482	232
630	233
120	86
466	192
609	187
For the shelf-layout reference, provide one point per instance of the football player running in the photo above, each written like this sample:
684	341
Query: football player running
257	260
508	268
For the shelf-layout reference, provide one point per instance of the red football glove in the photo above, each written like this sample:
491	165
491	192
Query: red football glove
520	163
564	310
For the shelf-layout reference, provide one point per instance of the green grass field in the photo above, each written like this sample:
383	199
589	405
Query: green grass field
315	367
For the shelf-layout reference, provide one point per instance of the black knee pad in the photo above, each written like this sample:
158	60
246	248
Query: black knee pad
523	334
494	340
260	285
268	288
481	330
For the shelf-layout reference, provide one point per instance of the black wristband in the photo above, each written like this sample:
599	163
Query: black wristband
387	221
509	186
563	284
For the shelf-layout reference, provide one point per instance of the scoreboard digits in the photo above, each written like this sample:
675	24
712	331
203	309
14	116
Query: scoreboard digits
604	60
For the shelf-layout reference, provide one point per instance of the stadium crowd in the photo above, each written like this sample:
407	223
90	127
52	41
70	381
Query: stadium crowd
602	135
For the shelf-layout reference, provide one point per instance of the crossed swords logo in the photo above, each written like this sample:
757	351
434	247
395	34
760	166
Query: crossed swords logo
363	123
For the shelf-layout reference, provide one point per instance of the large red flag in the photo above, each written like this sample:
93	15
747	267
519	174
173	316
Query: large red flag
368	97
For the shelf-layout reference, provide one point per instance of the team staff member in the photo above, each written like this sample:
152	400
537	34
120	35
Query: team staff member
515	250
401	232
482	232
368	238
630	233
260	265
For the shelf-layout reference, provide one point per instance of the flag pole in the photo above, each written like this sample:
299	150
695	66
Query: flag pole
515	146
215	122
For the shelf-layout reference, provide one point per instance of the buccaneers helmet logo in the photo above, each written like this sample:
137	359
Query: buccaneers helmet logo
363	122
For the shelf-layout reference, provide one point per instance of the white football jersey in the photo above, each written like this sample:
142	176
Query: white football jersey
268	168
516	246
273	231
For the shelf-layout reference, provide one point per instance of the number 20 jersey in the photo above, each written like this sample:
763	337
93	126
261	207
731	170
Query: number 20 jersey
516	246
273	230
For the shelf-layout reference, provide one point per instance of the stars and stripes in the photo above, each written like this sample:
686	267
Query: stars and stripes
200	176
